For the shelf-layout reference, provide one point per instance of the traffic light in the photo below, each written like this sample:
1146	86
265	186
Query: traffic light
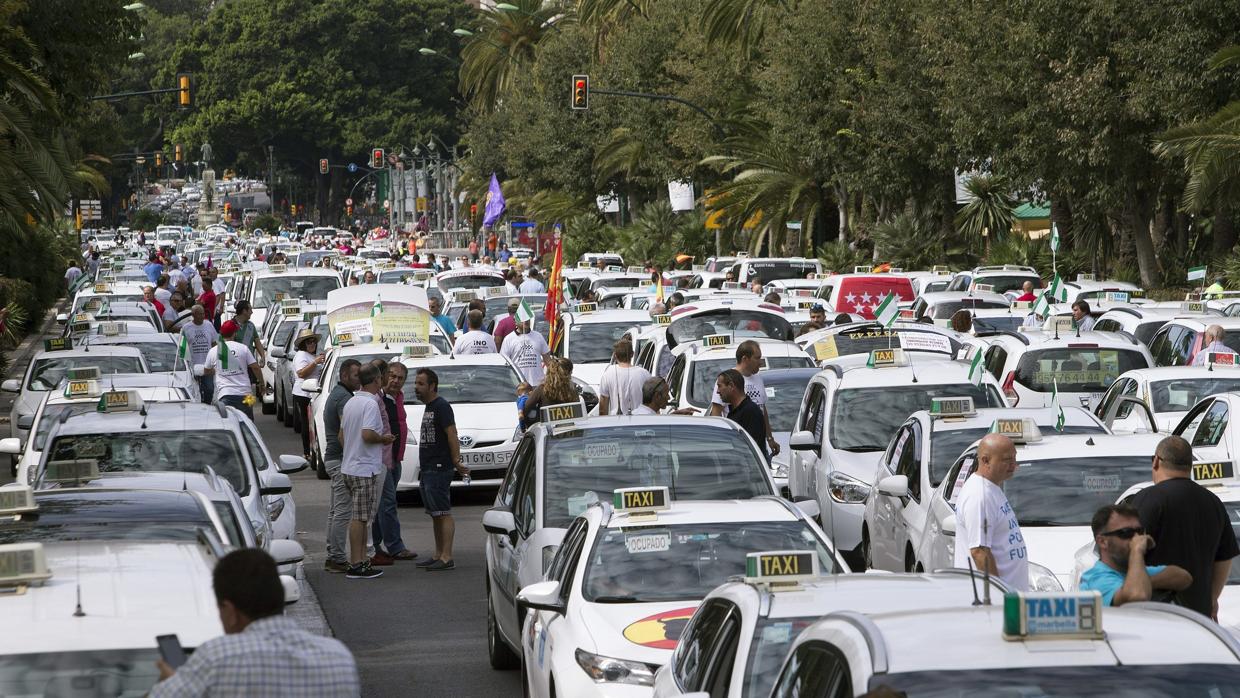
349	209
323	165
227	210
179	154
376	158
159	159
581	92
185	91
292	210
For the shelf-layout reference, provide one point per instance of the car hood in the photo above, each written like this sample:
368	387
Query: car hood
645	632
487	421
1055	548
590	374
861	466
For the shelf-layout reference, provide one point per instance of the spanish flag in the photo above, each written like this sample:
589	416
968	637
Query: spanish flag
555	294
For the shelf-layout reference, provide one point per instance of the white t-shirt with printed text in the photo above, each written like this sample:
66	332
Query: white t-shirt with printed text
234	380
755	390
474	342
985	519
526	351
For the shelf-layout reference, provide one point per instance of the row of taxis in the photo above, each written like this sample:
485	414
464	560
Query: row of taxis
128	490
615	585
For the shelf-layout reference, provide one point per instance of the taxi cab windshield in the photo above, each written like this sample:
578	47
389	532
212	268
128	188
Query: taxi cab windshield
104	517
694	462
766	272
739	323
644	564
944	311
866	338
1062	491
465	384
704	374
160	356
51	416
1077	370
1000	323
87	673
1150	680
50	371
469	281
161	451
1181	394
592	343
948	444
1003	284
783	400
864	419
307	288
80	304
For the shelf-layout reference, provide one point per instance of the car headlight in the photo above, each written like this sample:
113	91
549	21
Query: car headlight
260	533
781	470
275	507
847	490
1042	579
548	554
611	670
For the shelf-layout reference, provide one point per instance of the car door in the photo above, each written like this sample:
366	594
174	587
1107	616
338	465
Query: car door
802	463
912	514
519	484
276	508
675	377
1205	428
693	653
884	547
938	547
815	669
721	657
546	629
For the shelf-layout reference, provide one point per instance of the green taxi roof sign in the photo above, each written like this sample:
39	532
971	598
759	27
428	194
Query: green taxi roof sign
75	471
17	500
1047	615
23	563
641	500
887	358
119	401
1214	472
781	566
952	407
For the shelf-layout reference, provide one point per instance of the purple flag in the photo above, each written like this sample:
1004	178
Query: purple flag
495	203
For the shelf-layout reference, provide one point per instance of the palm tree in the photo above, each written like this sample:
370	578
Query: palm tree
1210	148
505	41
990	211
739	22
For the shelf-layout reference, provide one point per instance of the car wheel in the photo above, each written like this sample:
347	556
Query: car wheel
320	467
867	555
910	560
498	652
278	408
295	418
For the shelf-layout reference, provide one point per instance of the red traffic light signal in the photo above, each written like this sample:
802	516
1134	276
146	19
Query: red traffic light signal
580	98
376	158
322	165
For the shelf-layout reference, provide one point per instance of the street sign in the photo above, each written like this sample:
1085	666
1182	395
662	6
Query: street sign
353	167
421	204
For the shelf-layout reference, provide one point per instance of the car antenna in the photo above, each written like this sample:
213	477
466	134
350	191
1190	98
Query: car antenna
77	561
986	572
973	580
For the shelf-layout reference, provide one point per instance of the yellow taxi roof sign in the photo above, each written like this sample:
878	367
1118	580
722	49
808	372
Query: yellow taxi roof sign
57	344
1214	472
17	500
639	500
562	412
417	351
584	308
952	407
716	340
344	339
1052	615
1193	307
887	358
23	563
781	566
119	401
1020	430
662	319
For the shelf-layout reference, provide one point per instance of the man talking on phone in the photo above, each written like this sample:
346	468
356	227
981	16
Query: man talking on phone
262	653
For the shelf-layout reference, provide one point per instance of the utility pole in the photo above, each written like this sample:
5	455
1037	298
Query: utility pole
271	180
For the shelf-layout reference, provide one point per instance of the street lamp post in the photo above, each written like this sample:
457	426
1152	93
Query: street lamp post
271	180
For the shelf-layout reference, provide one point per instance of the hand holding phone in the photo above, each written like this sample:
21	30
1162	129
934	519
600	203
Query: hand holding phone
170	650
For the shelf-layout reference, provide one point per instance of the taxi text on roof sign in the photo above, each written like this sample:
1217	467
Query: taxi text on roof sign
119	401
1214	472
344	339
662	319
636	500
781	566
417	351
75	389
290	310
23	563
57	344
563	411
952	407
585	308
1019	430
716	340
1052	615
17	500
1115	297
880	358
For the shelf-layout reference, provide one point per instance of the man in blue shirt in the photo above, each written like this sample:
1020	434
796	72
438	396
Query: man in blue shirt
445	323
1120	574
153	268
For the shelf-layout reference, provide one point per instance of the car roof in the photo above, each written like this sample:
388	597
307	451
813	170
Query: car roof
986	416
490	359
935	297
925	369
669	420
1200	323
92	350
160	417
609	315
1158	373
1086	446
711	511
1041	339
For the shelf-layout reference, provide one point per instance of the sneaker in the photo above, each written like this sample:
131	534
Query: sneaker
440	565
427	562
363	570
405	555
335	566
382	560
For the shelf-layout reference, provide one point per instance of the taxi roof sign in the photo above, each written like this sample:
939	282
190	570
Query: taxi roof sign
821	275
17	500
615	268
1086	277
940	269
1020	430
421	275
493	291
1022	305
732	285
290	302
113	329
1214	472
1221	358
344	339
1052	615
563	411
984	288
585	308
290	310
662	319
716	340
697	267
1116	297
641	500
887	358
781	566
417	351
80	470
119	401
57	344
23	563
83	373
637	270
952	407
1193	306
103	287
586	265
277	268
862	269
464	294
1058	323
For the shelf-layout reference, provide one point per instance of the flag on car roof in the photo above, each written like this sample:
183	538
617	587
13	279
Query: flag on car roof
1196	273
975	368
377	308
1059	417
887	311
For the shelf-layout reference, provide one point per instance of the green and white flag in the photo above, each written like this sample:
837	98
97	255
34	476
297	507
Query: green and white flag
1057	291
1196	273
223	349
1042	305
1054	238
887	311
1059	418
183	350
975	368
377	308
524	312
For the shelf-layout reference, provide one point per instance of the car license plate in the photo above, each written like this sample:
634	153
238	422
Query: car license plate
485	458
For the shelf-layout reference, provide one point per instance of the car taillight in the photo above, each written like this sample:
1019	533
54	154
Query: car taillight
1008	391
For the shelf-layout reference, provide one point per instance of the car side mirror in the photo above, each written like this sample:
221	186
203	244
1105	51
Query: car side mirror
62	318
949	525
274	483
803	441
292	591
501	522
11	445
11	385
309	385
542	596
894	486
286	552
289	464
278	353
26	421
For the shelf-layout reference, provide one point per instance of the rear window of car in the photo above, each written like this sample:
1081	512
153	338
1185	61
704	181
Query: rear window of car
863	294
1003	284
1076	369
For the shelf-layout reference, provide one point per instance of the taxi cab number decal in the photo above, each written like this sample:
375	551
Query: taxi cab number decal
661	630
648	542
1214	471
1077	377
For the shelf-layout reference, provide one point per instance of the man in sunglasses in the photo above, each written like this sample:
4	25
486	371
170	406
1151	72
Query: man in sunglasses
1190	524
1120	574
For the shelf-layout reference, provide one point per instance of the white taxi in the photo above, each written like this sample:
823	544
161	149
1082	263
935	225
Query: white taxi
1167	394
897	510
1209	429
740	634
698	364
590	335
940	307
849	414
562	466
1034	644
629	574
1060	481
267	287
1141	322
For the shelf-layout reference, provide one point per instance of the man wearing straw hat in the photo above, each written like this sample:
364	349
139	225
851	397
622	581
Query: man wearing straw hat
307	364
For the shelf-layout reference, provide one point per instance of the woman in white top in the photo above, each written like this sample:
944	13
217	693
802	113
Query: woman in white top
307	363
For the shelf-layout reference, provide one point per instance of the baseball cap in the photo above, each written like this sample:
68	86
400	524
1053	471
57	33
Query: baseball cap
229	327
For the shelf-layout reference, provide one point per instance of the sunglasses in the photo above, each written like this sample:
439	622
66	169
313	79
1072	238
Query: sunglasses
1125	533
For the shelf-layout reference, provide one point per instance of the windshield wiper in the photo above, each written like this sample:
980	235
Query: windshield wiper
1046	522
861	449
628	598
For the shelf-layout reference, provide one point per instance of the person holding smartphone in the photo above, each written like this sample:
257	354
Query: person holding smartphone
262	653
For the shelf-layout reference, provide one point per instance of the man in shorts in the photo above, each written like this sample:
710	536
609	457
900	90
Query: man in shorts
361	433
439	453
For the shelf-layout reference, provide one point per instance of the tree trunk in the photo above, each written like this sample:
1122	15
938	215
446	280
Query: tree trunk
1224	234
1061	219
841	201
1136	219
947	218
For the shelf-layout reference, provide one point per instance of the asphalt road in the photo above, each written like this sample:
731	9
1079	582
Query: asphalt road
413	632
